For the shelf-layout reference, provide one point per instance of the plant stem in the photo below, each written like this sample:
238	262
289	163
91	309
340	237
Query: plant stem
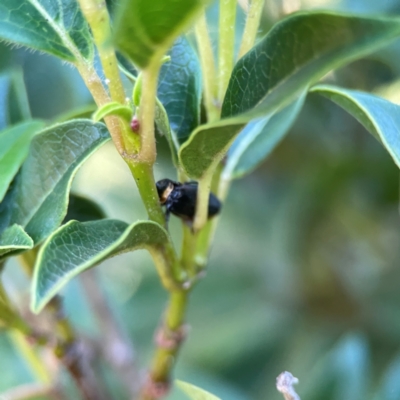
206	235
203	194
115	345
30	357
252	23
207	67
96	14
148	150
227	19
168	339
30	391
188	249
143	175
68	348
101	97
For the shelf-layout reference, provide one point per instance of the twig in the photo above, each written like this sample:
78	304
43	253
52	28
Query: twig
169	337
30	391
252	23
115	345
74	354
227	20
284	384
207	67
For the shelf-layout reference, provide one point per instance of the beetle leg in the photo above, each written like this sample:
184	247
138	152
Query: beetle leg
167	215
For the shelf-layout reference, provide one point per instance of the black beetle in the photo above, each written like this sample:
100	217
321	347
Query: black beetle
180	199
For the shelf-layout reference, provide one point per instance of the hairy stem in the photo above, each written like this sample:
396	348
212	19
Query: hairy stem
168	341
203	194
207	67
101	97
148	151
188	249
143	175
114	342
252	23
68	348
227	18
96	14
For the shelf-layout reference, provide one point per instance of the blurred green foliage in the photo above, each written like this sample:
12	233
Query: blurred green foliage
304	272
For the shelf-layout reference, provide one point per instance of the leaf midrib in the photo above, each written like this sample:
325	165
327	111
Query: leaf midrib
62	33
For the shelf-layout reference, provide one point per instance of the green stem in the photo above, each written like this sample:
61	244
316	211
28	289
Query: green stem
189	244
101	97
143	175
168	340
148	150
30	356
203	194
166	262
227	19
203	243
207	67
207	233
96	14
252	23
168	267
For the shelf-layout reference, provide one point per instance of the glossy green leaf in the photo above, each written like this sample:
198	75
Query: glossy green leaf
113	108
179	89
164	129
14	147
195	393
258	139
297	51
145	29
14	238
379	116
14	105
39	196
82	209
82	112
55	27
77	246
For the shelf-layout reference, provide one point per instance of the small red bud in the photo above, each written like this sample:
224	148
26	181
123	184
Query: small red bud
135	124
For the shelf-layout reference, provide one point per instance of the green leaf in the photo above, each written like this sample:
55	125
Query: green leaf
77	246
164	129
14	238
113	108
379	116
83	209
82	112
126	66
258	139
146	29
14	105
14	147
179	89
195	393
55	27
39	196
297	51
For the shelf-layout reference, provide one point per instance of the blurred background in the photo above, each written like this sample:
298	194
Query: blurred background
304	272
